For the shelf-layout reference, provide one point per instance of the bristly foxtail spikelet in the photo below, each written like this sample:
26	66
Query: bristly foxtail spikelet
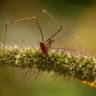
62	63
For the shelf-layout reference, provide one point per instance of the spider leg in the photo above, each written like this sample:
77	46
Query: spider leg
18	20
78	42
40	29
60	28
52	18
5	34
49	42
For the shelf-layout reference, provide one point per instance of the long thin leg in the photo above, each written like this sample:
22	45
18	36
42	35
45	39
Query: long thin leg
40	29
60	28
5	34
49	42
78	42
52	18
18	20
37	22
49	15
14	21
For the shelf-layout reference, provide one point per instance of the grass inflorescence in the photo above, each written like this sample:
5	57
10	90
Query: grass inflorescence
60	62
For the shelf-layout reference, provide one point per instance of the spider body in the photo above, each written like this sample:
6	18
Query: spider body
44	48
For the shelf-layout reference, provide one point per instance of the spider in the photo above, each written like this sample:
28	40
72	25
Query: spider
44	44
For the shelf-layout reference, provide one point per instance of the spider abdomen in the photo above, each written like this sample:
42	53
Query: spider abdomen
44	48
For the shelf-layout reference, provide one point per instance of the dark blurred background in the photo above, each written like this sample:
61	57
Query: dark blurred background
78	17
